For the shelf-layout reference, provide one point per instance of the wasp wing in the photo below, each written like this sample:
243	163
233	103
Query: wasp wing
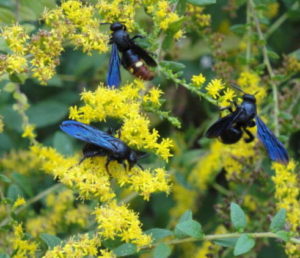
90	134
114	76
274	147
143	54
222	124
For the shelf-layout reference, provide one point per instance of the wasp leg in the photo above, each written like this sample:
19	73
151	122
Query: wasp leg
138	36
250	135
140	166
109	159
251	123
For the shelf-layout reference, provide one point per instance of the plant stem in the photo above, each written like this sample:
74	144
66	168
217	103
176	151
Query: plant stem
249	32
227	236
31	201
269	67
279	21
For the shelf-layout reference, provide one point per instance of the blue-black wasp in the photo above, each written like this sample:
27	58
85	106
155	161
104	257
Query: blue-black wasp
230	129
132	56
100	143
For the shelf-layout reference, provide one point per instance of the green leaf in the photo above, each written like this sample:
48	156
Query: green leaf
50	240
227	242
188	215
4	178
273	55
238	217
239	29
13	192
190	228
6	16
63	143
243	245
201	2
175	66
4	256
23	182
162	251
125	249
284	235
18	78
158	233
278	220
47	113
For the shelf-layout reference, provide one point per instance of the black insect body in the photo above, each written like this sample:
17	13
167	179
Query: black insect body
100	143
231	128
133	56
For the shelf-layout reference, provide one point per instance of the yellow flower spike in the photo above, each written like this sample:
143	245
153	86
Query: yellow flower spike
19	202
198	80
29	132
118	221
15	63
16	38
214	87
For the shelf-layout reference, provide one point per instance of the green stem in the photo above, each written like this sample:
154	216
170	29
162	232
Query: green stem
279	21
227	236
268	66
249	32
36	198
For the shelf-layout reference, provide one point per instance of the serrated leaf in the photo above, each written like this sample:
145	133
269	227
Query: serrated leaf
201	2
238	217
228	242
50	240
190	228
63	143
278	221
158	233
284	235
243	245
162	251
13	192
125	249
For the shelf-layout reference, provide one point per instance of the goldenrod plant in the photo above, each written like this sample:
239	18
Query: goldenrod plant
187	196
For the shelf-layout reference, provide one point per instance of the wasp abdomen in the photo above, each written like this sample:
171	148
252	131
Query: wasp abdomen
140	70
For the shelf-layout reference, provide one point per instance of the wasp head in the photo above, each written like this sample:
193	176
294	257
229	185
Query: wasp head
117	26
250	98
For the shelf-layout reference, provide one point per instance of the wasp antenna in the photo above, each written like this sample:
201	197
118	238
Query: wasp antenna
237	87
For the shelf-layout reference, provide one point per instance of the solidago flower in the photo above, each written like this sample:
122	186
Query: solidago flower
19	202
214	87
1	124
153	96
81	246
197	17
227	97
124	104
118	221
198	80
15	63
16	38
287	196
29	132
21	246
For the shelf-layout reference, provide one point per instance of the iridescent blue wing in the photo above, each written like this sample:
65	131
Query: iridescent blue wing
114	77
274	147
91	135
222	124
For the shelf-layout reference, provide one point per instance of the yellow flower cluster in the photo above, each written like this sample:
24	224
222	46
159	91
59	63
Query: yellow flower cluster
19	202
1	124
185	199
198	80
59	213
13	63
91	180
250	83
164	16
125	104
214	87
80	246
287	194
29	132
23	162
118	10
198	18
21	246
16	38
207	166
118	221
